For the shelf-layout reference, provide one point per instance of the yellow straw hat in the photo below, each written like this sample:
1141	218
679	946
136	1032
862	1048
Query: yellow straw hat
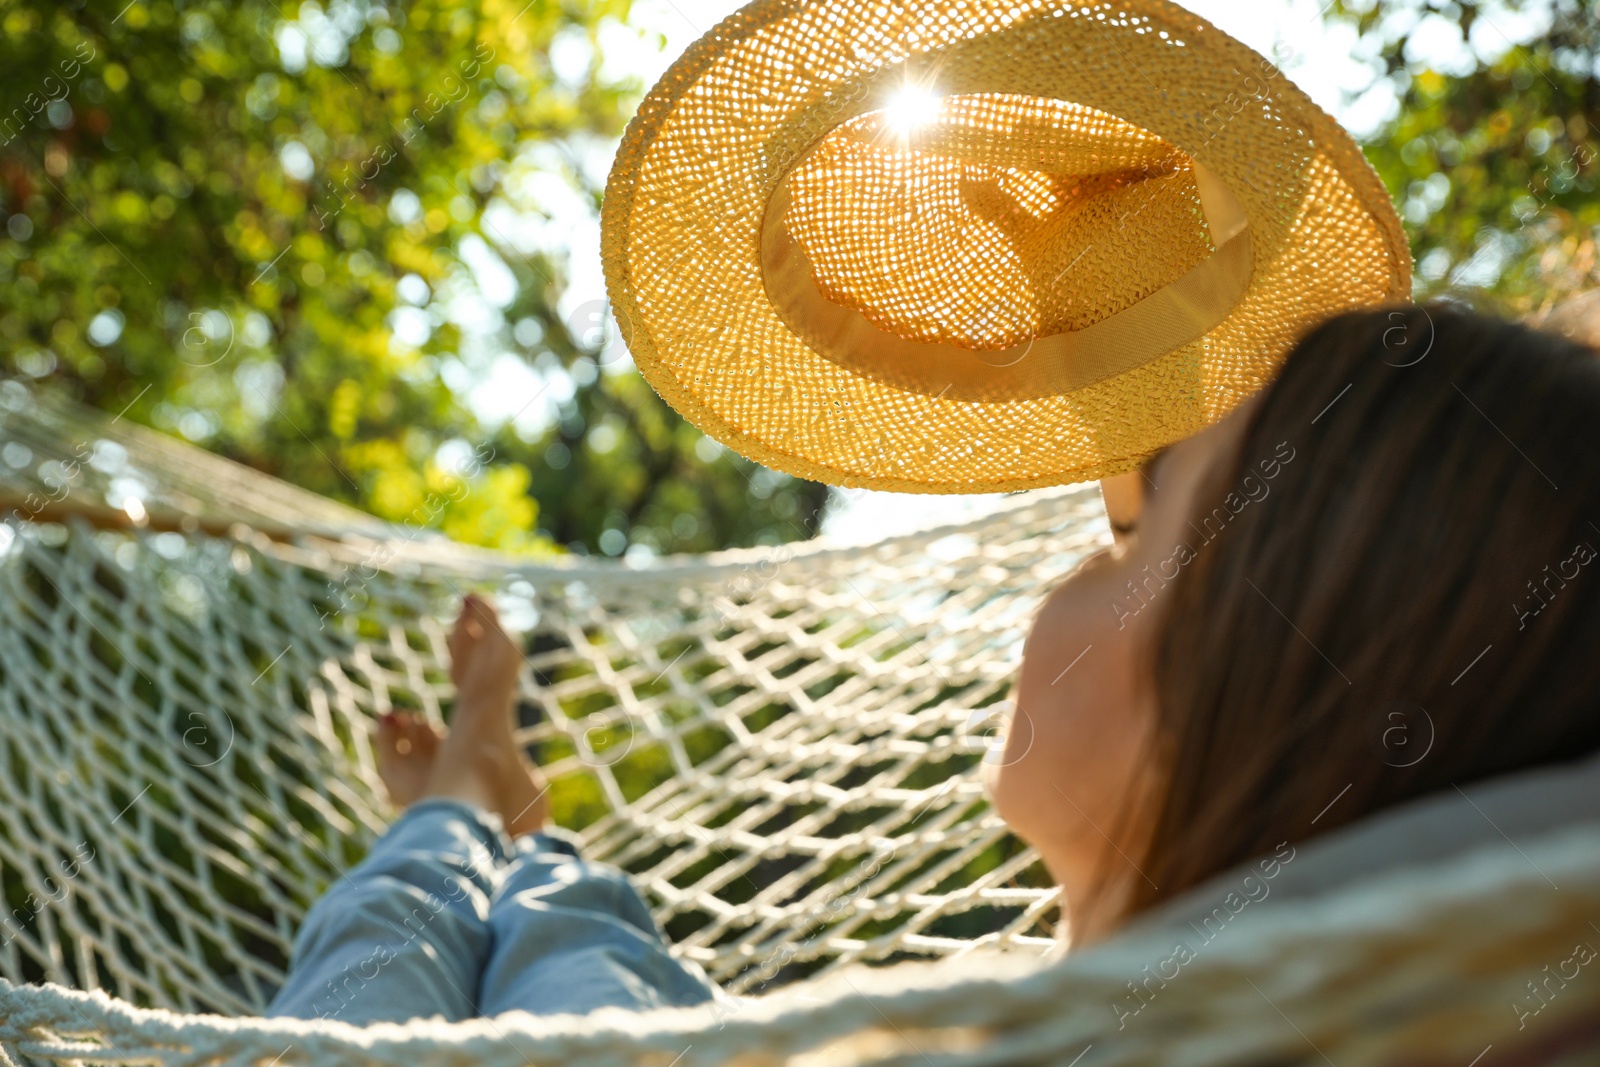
962	246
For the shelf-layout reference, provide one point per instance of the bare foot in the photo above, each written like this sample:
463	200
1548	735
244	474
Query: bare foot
480	761
406	745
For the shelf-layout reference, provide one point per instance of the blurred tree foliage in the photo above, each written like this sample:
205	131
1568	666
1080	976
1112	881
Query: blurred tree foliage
1494	153
252	224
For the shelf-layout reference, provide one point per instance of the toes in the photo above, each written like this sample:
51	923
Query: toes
470	621
490	619
468	628
479	609
419	736
477	618
388	732
404	734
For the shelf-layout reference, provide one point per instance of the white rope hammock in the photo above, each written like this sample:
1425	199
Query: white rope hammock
782	746
1422	967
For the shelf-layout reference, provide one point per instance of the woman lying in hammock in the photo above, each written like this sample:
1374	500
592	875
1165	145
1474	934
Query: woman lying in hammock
1374	584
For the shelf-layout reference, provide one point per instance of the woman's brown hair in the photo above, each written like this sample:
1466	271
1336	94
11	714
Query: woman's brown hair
1411	602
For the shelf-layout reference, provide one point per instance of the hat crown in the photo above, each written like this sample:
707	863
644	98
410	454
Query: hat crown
995	220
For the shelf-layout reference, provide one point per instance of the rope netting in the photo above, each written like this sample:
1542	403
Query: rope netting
783	746
1477	961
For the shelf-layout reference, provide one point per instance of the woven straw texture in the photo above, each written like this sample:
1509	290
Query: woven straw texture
986	206
1053	189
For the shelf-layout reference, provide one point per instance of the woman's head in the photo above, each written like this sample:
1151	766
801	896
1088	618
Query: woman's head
1376	581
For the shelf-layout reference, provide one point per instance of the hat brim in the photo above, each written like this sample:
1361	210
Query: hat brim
699	164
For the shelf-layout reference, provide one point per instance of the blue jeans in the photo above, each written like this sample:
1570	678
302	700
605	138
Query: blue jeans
448	917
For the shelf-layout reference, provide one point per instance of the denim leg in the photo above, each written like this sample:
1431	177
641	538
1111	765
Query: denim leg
571	936
405	934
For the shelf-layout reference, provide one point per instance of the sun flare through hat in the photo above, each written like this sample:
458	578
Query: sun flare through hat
963	246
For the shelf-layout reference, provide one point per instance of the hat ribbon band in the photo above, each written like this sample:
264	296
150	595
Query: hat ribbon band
1179	313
